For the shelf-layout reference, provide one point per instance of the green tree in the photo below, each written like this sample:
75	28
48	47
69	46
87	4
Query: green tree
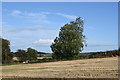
70	41
22	55
6	54
32	54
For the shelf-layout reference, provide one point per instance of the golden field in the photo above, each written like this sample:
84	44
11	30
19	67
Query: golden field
85	68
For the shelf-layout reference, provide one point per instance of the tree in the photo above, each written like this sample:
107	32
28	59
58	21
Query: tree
6	55
22	55
32	54
70	41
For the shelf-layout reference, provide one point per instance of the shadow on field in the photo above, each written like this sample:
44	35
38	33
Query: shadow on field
60	79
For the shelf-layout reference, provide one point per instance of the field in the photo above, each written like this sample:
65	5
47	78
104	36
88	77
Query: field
86	68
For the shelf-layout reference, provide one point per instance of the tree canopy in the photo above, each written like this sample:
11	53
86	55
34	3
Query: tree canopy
6	54
70	41
22	55
32	54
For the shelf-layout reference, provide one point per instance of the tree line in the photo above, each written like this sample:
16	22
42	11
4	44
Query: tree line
101	54
23	55
31	54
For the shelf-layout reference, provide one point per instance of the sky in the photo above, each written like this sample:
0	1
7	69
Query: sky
36	24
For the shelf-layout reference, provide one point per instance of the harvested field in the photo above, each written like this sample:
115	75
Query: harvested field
86	68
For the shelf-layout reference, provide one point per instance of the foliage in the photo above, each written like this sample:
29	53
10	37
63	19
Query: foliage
32	54
6	54
22	55
42	53
70	41
102	54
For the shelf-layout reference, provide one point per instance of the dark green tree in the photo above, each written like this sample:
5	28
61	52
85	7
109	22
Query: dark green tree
32	54
70	41
22	55
6	54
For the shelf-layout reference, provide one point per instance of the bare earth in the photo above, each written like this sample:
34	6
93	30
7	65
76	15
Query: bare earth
87	68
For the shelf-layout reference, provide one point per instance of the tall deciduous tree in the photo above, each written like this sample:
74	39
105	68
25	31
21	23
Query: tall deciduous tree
6	55
70	41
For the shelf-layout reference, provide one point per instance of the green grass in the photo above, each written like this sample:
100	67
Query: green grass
48	55
7	64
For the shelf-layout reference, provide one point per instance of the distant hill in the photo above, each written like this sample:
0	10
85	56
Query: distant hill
43	54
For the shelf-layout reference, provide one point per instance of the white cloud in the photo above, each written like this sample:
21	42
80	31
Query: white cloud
28	14
43	41
16	12
34	36
45	12
31	29
39	18
41	15
67	16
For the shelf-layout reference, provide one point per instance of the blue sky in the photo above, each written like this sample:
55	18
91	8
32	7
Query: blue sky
36	24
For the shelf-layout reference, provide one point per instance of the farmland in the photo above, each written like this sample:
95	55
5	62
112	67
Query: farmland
85	68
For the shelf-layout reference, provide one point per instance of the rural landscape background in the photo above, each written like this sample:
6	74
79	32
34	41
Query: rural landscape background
59	40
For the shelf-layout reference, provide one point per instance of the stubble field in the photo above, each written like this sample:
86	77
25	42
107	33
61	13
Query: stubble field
86	68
